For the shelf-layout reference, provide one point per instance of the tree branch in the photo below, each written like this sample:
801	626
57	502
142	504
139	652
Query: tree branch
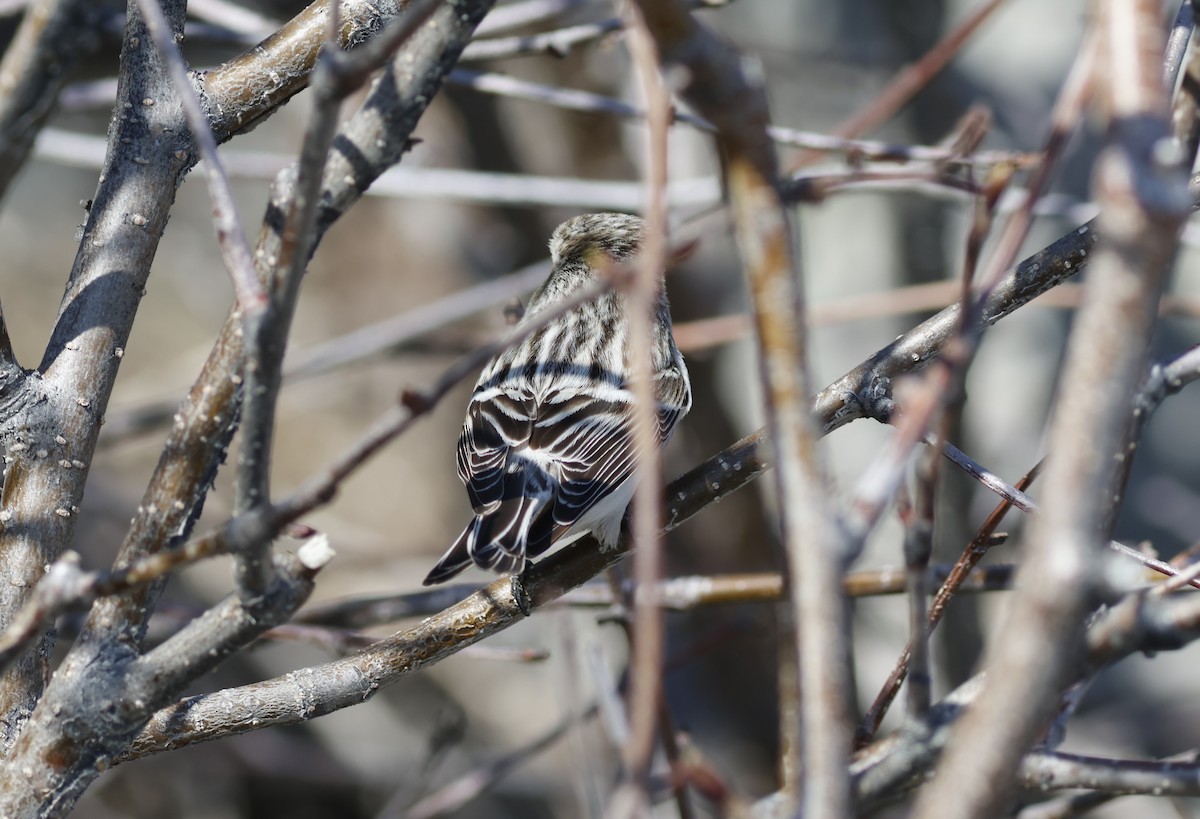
1144	207
52	37
75	378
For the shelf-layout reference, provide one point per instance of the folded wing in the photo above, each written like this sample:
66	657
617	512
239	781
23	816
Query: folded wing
534	468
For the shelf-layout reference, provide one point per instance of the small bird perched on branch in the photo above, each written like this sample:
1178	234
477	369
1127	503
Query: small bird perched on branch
548	447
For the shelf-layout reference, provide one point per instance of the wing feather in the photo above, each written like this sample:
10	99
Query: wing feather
535	465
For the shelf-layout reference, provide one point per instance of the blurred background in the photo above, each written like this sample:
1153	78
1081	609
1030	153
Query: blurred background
426	237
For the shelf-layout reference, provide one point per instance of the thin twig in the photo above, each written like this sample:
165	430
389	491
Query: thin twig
918	546
589	102
266	332
235	249
965	566
908	82
452	797
995	484
645	680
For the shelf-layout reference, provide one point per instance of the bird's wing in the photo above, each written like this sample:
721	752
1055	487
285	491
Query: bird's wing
673	391
520	457
497	423
589	435
510	489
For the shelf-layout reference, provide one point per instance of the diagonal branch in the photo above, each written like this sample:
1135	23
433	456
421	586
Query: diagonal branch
1144	208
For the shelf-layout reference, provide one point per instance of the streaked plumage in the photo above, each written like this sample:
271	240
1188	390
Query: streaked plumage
547	446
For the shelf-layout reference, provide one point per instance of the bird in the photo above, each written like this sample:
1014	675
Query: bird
547	448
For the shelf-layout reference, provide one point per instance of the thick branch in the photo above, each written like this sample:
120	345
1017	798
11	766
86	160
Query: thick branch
375	138
56	439
251	86
1144	207
118	244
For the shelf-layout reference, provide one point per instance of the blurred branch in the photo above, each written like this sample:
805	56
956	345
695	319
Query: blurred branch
1139	623
861	150
232	15
1048	770
96	93
556	43
909	81
524	13
53	36
673	593
452	797
703	334
964	568
918	548
645	692
80	150
727	90
1144	207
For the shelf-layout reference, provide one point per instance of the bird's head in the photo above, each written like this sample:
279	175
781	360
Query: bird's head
595	240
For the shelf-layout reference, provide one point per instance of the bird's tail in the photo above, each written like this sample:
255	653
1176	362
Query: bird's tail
477	544
456	558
